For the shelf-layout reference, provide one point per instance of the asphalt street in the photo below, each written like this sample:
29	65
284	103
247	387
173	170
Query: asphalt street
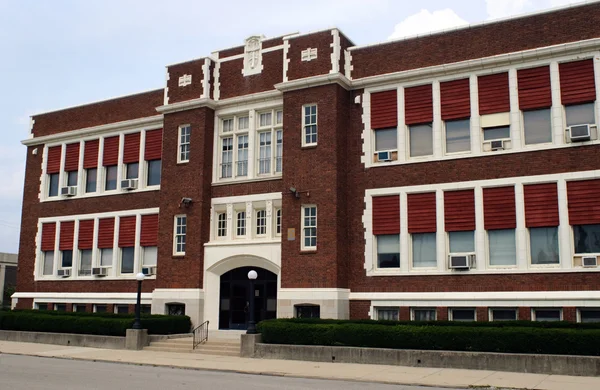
31	373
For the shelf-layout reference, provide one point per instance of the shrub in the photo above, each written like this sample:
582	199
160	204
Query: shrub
455	337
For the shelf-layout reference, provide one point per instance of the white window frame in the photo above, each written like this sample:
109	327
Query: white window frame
306	125
579	309
221	219
175	235
256	226
94	307
491	312
488	253
386	308
278	221
412	312
408	151
304	227
181	144
533	310
522	123
528	243
451	313
237	224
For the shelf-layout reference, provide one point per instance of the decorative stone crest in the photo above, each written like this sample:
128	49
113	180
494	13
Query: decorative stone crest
184	80
253	55
309	54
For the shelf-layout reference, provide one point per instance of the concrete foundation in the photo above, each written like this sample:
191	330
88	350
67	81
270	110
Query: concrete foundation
136	339
249	343
68	339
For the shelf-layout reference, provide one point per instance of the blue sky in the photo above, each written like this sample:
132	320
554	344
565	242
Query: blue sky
63	53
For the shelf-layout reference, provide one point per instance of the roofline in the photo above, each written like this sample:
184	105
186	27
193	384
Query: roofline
266	39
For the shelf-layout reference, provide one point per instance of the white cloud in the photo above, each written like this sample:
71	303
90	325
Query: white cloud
497	9
426	21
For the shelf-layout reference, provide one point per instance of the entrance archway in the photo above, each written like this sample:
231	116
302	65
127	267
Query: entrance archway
235	295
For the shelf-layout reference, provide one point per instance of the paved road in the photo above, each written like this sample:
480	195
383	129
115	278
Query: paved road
32	373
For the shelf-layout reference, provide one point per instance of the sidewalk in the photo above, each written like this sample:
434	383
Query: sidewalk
353	372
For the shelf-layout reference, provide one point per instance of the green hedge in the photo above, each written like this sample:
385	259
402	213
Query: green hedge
456	337
106	324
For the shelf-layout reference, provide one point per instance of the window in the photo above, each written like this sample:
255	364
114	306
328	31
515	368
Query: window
387	314
175	309
227	125
221	225
243	123
279	117
132	170
149	256
537	126
424	250
388	251
145	309
226	156
106	257
121	309
589	315
261	222
100	308
386	139
421	140
462	242
309	227
242	159
48	268
154	172
502	247
503	314
586	238
458	136
85	262
264	160
543	243
547	315
111	178
78	308
60	306
278	222
464	315
184	143
241	224
41	306
580	114
66	259
424	314
310	125
308	311
72	179
180	232
496	133
127	260
53	184
91	176
279	151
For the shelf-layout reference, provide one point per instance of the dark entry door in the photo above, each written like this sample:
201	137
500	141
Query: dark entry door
235	296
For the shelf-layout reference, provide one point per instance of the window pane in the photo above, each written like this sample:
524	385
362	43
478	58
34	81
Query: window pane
424	315
72	179
421	140
308	311
264	159
133	170
150	255
90	180
60	307
424	250
504	315
53	185
100	308
85	263
589	315
463	315
154	169
538	128
241	224
261	222
243	123
122	309
48	262
67	259
242	158
387	314
227	125
127	260
388	251
492	133
106	256
461	242
547	315
111	178
458	136
279	150
580	114
587	238
221	225
503	247
544	245
386	139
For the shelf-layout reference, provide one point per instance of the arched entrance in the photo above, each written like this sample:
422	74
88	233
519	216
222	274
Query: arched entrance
235	297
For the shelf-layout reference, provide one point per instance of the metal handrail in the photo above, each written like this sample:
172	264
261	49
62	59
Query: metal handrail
200	334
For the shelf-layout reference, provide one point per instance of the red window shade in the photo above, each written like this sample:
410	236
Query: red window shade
541	205
455	99
67	233
534	88
54	156
153	147
386	214
85	238
493	93
72	157
126	231
384	109
90	154
418	104
577	83
131	149
48	236
111	151
499	211
106	232
149	233
583	196
459	210
421	213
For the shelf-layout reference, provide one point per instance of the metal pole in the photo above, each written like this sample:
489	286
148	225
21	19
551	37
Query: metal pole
137	324
251	323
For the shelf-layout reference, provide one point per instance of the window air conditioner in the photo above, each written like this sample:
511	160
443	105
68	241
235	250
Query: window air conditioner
129	184
589	261
461	261
68	191
64	273
384	156
579	133
149	271
497	145
101	271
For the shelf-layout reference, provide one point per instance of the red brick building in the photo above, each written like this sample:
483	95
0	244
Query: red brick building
449	176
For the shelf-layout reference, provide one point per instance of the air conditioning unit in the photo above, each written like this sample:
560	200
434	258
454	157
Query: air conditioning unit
129	184
589	261
149	271
461	261
100	271
68	191
63	273
384	156
497	145
579	133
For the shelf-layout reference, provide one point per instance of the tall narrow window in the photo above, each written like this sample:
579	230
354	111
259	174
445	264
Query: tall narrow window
91	177
309	227
279	151
127	233
310	125
149	240
85	245
241	224
90	164
221	225
53	184
388	251
418	116
153	157
184	143
72	164
384	122
48	267
154	172
261	222
106	233
278	222
242	155
455	99
226	156
67	233
264	160
131	155
180	234
53	169
127	260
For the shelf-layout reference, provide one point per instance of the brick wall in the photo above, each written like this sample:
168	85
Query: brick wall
321	41
359	310
234	83
191	91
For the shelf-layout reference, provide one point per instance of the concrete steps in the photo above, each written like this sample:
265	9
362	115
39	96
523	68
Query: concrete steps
221	347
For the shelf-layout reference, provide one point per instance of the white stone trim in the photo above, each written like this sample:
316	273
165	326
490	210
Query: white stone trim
286	60
166	93
248	68
217	82
336	52
314	293
308	54
185	80
84	297
348	67
314	81
205	79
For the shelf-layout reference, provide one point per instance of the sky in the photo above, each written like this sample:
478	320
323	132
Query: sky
64	53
